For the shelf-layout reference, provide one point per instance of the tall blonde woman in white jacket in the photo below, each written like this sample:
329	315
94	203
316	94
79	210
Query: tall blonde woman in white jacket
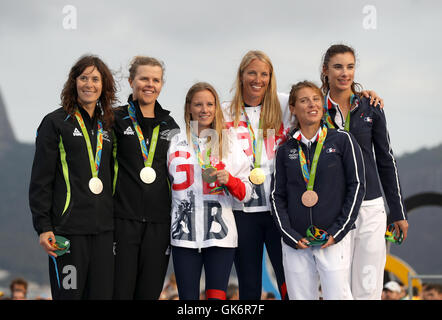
208	170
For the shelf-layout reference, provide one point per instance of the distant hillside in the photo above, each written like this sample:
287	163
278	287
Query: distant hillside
19	249
420	172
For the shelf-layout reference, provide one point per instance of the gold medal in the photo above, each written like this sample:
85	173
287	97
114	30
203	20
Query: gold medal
148	175
309	198
95	185
207	175
257	176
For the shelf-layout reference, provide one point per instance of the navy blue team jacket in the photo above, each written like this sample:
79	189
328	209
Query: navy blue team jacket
339	183
369	126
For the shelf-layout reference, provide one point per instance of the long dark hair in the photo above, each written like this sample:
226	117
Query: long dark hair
331	52
69	94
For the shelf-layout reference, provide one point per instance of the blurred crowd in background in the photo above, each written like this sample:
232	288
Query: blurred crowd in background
393	290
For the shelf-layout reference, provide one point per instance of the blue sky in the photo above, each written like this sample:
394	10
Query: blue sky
205	40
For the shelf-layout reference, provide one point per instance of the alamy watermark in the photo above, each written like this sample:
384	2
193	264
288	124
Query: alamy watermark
69	17
369	22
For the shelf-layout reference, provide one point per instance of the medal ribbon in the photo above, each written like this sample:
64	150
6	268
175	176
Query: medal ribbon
309	178
256	142
329	105
205	163
147	156
94	162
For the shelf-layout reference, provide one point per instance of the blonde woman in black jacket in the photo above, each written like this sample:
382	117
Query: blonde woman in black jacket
142	199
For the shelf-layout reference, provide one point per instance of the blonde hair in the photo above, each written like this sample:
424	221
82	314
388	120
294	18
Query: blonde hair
218	121
271	113
145	61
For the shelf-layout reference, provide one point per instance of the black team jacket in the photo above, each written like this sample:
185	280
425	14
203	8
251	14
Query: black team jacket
133	199
59	195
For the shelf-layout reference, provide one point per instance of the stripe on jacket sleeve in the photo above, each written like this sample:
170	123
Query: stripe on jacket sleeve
114	155
273	203
390	152
65	169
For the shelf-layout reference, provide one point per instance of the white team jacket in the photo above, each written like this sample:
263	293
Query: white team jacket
260	198
199	219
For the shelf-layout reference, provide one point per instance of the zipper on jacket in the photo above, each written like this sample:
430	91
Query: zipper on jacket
309	165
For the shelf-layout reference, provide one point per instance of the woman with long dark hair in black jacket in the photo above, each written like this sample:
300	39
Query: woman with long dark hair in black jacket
70	193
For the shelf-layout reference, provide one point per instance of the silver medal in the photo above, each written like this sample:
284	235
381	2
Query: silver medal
95	185
148	175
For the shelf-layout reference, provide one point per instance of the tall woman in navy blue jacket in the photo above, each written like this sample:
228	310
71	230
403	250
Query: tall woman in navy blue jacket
318	187
347	109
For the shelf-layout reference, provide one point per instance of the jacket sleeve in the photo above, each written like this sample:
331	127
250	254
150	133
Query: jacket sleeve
43	175
238	166
174	128
387	167
279	203
353	165
173	134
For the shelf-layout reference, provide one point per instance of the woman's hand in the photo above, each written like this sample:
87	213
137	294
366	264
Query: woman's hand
222	176
303	244
373	98
401	225
329	242
47	240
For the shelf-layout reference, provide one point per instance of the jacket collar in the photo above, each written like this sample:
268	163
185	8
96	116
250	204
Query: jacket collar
160	113
297	135
330	104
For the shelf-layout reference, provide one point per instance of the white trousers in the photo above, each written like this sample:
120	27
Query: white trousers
369	251
304	269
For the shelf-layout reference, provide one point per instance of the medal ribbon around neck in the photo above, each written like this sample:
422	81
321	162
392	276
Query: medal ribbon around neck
94	162
256	142
204	163
147	156
309	177
329	105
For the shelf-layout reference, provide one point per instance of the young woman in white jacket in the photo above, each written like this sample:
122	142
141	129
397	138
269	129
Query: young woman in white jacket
207	170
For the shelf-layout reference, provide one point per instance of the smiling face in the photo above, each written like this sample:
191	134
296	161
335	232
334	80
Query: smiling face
340	71
255	81
202	109
147	84
89	86
308	107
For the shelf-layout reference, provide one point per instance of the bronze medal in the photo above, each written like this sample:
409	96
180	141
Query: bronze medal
207	175
309	198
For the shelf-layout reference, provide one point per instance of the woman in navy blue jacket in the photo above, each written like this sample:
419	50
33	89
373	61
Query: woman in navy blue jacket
318	187
347	109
